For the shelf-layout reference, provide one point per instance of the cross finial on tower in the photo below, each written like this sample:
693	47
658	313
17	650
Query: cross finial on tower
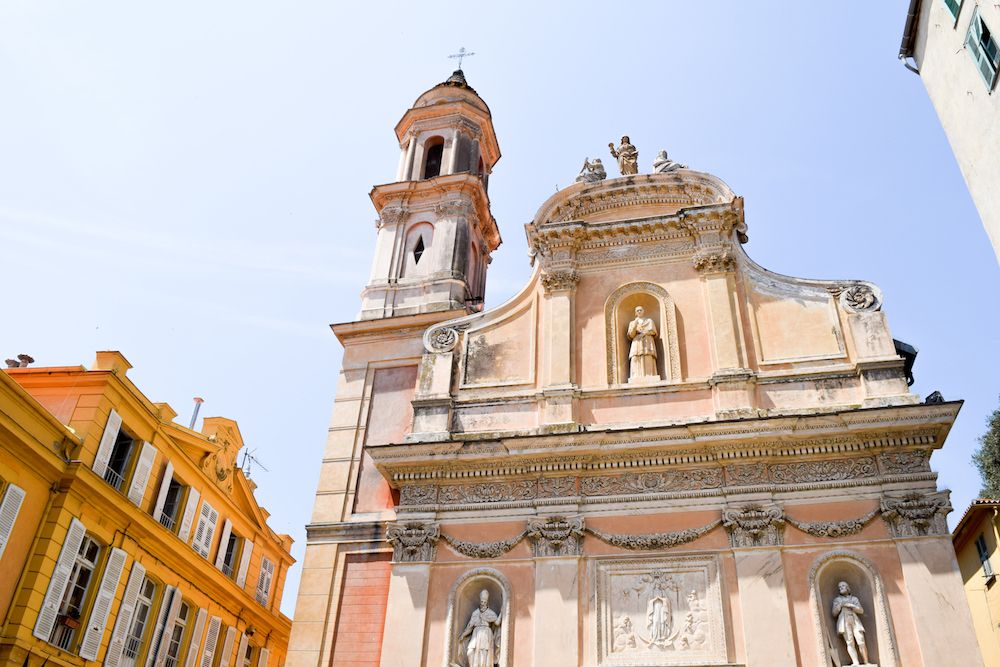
462	53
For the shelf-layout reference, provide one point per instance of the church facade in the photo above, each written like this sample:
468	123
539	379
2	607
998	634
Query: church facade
657	453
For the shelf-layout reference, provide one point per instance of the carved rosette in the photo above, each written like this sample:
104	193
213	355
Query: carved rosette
556	536
754	525
559	280
714	260
443	340
413	541
916	514
861	298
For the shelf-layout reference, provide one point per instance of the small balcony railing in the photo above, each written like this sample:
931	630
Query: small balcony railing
167	521
113	478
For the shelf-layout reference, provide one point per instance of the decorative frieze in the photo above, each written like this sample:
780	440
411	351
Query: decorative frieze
487	492
754	525
905	462
916	514
824	470
556	536
652	482
413	541
653	541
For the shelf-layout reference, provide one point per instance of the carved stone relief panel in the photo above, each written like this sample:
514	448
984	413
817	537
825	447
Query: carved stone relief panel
666	611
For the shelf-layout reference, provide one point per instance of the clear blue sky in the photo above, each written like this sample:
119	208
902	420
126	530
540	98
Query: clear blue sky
187	183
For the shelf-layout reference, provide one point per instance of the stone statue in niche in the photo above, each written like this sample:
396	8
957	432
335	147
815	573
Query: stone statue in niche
627	156
592	172
663	164
847	610
642	352
483	633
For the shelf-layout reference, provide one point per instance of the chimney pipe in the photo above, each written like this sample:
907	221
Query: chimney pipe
198	400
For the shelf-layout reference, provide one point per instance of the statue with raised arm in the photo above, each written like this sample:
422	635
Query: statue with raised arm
482	633
642	351
627	156
663	164
847	609
592	172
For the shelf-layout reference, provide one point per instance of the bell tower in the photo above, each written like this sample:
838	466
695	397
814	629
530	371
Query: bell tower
436	233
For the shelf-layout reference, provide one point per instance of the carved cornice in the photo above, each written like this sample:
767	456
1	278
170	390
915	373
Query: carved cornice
754	525
413	541
916	514
555	281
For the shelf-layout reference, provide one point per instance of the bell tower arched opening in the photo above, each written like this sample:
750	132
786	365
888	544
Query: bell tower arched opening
433	155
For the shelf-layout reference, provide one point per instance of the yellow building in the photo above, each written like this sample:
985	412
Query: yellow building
127	539
976	538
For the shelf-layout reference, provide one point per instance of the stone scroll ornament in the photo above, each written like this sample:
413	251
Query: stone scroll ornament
861	298
916	514
413	541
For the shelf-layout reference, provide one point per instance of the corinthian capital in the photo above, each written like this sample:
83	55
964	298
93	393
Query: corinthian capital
413	541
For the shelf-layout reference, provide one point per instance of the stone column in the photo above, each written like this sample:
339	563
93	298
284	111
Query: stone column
452	153
414	544
756	531
933	583
405	159
556	544
557	371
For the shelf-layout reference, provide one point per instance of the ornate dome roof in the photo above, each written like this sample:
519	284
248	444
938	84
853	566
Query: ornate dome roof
454	89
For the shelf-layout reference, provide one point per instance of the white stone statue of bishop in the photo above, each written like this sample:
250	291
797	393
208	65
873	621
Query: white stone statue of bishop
642	352
481	630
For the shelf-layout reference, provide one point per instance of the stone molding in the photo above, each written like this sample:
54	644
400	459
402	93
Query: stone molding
916	514
556	536
754	525
413	541
556	281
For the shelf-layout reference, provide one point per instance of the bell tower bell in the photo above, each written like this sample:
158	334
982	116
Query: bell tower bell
435	229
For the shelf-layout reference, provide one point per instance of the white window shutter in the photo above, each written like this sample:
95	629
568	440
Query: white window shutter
203	534
102	605
168	629
227	648
241	574
211	641
241	650
107	443
189	509
161	496
262	658
196	635
264	580
161	618
125	612
140	479
227	529
60	579
9	508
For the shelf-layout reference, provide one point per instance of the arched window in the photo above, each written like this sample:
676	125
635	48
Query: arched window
417	249
433	152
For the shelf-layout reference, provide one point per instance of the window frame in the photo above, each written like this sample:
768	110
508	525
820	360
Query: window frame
979	53
984	556
65	635
179	502
184	616
956	12
263	595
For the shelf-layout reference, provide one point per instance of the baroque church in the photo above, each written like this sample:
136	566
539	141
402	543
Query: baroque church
656	453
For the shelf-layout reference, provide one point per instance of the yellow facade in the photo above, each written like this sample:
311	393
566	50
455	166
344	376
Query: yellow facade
976	538
127	539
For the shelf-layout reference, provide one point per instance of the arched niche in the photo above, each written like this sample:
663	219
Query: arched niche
860	574
417	249
619	310
463	599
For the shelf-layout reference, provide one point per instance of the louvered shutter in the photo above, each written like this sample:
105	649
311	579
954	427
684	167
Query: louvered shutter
161	618
125	612
107	443
59	581
211	641
264	580
9	508
203	534
168	629
227	648
241	574
161	496
102	605
242	650
262	658
220	558
196	635
137	489
189	509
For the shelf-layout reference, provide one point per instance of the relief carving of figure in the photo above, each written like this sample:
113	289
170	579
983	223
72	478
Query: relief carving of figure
592	172
659	621
624	635
642	352
847	609
627	156
694	633
663	164
482	630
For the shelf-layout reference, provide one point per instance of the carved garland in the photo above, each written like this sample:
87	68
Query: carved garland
652	541
484	549
833	529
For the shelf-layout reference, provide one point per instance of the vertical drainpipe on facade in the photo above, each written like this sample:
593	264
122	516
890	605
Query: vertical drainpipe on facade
909	35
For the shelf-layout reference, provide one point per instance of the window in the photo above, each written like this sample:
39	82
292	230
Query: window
418	250
171	504
118	463
954	6
984	556
434	153
247	657
232	548
140	621
76	594
983	49
419	239
176	636
264	580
